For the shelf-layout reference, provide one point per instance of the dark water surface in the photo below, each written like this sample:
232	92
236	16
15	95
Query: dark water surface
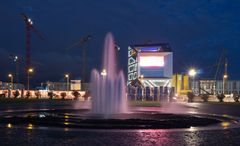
51	136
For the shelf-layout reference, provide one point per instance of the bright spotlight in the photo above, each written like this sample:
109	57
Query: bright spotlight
192	72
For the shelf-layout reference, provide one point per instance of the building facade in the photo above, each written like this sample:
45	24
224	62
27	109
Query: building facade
151	64
216	86
8	85
150	70
73	85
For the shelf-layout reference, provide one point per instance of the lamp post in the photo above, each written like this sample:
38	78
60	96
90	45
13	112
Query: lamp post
225	76
104	72
67	77
29	71
16	60
11	80
192	73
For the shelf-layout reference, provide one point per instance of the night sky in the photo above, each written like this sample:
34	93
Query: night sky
197	31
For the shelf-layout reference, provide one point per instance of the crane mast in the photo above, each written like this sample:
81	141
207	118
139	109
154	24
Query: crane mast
29	27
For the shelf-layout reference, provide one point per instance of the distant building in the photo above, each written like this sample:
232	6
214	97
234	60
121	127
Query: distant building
62	86
181	84
216	86
8	85
75	85
56	86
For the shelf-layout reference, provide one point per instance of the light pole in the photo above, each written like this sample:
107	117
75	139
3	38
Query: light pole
30	70
192	73
142	82
11	79
225	76
67	77
16	60
104	72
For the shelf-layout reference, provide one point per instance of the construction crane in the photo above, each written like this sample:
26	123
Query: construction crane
82	44
221	73
222	61
29	27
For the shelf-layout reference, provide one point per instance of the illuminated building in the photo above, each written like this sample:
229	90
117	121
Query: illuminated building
181	84
150	68
75	85
214	87
152	62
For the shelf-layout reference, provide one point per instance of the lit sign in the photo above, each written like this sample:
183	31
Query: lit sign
151	61
149	49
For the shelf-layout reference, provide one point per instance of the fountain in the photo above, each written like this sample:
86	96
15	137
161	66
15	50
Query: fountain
109	107
108	87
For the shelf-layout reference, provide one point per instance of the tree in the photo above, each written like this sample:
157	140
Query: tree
50	95
86	95
63	95
220	97
76	95
28	94
236	97
37	94
16	94
205	97
9	93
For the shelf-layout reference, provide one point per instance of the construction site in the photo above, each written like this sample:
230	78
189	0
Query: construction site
150	73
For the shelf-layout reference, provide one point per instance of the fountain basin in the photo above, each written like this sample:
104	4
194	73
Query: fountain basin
81	119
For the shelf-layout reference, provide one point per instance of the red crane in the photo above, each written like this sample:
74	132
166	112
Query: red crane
29	28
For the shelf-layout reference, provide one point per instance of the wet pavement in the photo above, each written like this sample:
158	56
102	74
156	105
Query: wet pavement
192	136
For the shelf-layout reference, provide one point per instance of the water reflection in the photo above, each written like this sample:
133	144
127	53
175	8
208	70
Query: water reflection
191	129
9	125
30	126
225	125
66	123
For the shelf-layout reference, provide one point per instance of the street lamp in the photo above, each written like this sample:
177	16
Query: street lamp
29	71
16	60
11	78
104	72
67	77
225	76
192	72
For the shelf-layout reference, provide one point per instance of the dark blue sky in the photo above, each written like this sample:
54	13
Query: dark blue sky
197	30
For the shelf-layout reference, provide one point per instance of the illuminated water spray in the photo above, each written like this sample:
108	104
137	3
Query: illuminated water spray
108	88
